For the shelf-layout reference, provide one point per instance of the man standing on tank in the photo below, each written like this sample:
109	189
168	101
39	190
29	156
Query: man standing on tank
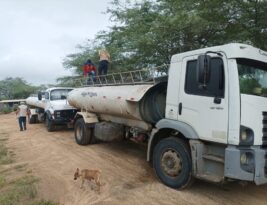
103	62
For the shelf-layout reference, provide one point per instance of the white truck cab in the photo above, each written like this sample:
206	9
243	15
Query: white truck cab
52	107
217	98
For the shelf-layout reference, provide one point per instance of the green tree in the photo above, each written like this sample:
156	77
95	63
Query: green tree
76	61
15	88
147	33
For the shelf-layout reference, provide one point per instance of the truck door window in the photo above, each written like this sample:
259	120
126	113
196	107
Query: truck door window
215	87
252	77
47	96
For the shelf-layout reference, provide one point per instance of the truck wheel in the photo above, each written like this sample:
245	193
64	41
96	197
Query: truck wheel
172	163
31	119
83	133
49	124
36	119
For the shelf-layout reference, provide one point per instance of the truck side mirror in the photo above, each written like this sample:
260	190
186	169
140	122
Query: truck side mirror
40	95
203	69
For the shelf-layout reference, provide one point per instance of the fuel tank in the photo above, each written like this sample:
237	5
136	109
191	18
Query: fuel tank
33	101
145	102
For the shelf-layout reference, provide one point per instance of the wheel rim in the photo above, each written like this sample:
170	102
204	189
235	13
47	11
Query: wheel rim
79	132
171	163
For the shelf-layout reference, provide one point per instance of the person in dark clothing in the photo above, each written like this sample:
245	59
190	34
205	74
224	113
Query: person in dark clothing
103	67
89	71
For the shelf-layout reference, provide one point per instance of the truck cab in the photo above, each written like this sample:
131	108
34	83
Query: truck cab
216	99
52	107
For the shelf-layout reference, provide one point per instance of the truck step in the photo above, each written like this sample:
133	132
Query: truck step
210	177
213	158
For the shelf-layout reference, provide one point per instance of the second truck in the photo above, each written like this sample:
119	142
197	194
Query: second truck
51	107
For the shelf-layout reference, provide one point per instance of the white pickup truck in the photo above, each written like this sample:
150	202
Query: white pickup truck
51	107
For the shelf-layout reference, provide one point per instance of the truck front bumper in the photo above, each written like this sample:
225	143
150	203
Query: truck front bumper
61	121
248	164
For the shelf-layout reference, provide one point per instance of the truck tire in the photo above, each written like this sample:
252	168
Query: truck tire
49	124
83	133
31	119
172	162
36	119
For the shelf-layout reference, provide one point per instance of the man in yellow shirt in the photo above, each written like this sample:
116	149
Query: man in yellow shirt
103	62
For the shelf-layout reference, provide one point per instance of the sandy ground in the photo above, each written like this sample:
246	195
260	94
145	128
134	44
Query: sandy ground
127	177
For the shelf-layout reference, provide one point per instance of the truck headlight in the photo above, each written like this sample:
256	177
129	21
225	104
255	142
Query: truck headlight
246	136
243	159
247	161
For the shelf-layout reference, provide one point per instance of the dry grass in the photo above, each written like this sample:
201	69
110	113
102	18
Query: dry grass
5	156
43	202
17	185
21	189
21	167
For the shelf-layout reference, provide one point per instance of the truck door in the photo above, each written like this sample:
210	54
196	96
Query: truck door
205	109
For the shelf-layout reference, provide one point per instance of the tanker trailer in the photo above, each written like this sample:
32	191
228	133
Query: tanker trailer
112	112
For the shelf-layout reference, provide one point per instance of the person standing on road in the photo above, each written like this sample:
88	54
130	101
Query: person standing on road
103	62
21	113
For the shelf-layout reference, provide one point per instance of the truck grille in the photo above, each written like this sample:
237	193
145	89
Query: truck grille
264	130
65	114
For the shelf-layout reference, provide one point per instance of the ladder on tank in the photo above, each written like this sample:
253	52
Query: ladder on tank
143	76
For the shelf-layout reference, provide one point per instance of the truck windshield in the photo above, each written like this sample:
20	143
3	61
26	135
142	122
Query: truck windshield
252	77
60	94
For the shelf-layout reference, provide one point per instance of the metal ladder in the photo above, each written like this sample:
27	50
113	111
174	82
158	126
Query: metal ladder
143	76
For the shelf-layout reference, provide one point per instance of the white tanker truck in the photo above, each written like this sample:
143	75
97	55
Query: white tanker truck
207	120
51	107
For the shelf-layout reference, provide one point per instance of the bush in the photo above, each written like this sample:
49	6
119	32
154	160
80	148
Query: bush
6	110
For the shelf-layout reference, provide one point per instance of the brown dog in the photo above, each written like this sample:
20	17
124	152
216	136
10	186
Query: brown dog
89	175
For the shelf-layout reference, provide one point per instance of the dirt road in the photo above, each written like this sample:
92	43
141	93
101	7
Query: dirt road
127	177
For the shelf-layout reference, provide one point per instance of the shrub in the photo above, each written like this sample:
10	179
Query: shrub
6	110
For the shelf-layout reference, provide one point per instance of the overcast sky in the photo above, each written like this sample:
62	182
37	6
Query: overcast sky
36	35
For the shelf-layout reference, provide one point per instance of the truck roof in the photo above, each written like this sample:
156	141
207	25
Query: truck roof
231	51
58	88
